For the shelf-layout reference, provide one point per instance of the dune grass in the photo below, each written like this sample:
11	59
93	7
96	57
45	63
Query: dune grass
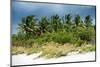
53	50
17	50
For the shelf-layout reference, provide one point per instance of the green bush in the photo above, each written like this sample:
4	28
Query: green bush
41	41
62	37
58	37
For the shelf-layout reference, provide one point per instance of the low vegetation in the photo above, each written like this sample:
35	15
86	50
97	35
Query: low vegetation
53	50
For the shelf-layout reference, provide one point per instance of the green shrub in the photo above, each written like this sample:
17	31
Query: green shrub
58	37
61	37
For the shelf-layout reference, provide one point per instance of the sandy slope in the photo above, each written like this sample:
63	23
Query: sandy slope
24	59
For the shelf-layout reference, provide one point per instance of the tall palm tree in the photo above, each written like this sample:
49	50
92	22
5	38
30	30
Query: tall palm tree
56	22
68	21
44	24
78	20
27	25
88	21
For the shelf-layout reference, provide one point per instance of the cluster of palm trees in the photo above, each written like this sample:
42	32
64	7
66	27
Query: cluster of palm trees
31	25
74	29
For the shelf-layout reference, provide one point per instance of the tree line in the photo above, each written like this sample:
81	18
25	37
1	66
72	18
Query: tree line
31	27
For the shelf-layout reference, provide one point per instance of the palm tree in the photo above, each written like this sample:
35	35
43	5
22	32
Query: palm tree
44	24
78	20
56	22
68	21
88	21
27	25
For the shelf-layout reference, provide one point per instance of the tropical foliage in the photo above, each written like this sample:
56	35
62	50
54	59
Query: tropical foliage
61	30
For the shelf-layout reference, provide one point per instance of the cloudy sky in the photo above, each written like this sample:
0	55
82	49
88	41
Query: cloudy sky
21	9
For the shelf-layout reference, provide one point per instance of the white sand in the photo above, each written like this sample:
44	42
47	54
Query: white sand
24	59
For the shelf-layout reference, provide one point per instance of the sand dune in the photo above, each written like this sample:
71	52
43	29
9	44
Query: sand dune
23	59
